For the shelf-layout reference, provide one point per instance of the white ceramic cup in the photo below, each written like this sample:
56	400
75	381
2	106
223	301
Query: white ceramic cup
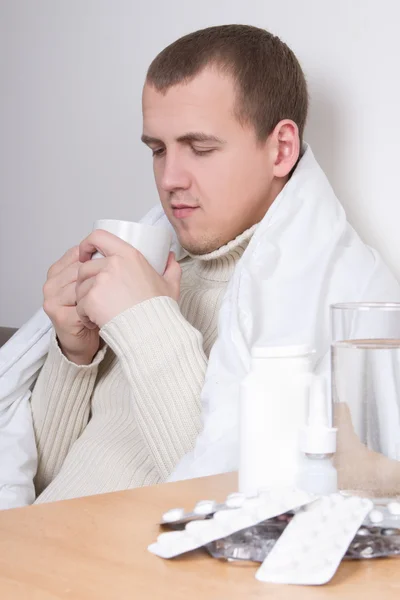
153	241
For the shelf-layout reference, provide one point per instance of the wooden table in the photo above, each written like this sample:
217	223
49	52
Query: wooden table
96	548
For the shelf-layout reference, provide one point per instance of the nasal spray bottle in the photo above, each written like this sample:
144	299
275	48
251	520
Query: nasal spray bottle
285	437
318	443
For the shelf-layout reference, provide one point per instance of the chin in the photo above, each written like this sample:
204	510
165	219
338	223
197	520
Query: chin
200	247
198	242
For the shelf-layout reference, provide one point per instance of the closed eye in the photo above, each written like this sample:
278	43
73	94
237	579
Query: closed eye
161	151
200	152
158	151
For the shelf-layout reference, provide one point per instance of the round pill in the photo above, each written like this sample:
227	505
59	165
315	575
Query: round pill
175	514
367	552
204	507
375	516
394	508
235	500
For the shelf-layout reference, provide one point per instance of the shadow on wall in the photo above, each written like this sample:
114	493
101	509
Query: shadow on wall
330	134
5	334
324	134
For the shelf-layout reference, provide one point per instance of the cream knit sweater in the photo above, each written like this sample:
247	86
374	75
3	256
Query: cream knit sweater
126	419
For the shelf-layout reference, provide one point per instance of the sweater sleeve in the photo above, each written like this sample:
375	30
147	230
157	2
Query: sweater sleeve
60	408
163	358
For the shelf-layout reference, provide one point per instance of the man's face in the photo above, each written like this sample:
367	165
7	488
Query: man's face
215	180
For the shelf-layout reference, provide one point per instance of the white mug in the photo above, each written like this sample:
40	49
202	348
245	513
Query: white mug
153	241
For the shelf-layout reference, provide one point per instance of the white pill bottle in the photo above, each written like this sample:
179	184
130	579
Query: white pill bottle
273	406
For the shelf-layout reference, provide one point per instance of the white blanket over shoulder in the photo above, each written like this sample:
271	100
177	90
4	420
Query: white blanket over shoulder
302	257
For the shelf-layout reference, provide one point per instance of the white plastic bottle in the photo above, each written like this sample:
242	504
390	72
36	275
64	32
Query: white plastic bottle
318	443
272	412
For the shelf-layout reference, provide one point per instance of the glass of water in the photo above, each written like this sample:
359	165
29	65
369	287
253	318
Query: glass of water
366	396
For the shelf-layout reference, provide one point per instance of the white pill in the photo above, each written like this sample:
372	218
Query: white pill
375	516
394	508
204	507
235	500
175	514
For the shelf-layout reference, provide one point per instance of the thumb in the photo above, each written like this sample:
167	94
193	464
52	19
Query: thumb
172	276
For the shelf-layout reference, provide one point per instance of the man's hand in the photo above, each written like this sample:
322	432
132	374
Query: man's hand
108	286
78	343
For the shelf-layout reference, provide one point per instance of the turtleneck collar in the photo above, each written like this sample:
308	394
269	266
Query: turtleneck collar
219	264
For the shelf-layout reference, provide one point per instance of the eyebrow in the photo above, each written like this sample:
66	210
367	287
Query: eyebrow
187	138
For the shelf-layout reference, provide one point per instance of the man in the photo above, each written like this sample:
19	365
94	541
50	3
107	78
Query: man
117	402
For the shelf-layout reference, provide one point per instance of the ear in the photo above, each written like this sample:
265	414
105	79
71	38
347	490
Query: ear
286	142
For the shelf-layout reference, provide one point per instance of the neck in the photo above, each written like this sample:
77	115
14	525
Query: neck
219	264
277	185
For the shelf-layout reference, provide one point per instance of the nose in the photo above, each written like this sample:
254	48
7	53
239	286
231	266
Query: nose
174	175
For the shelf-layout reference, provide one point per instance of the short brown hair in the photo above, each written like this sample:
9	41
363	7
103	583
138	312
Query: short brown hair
270	82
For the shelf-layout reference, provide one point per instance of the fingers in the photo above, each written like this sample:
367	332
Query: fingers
173	275
71	319
67	276
67	318
82	313
104	242
55	284
90	269
63	284
64	318
68	295
171	259
82	289
70	257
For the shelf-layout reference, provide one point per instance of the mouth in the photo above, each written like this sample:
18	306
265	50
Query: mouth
182	211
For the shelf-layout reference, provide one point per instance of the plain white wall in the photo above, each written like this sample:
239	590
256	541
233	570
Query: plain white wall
71	73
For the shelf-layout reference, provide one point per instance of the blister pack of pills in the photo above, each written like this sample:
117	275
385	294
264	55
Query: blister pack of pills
252	544
372	530
255	543
312	546
226	520
374	542
176	518
385	514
